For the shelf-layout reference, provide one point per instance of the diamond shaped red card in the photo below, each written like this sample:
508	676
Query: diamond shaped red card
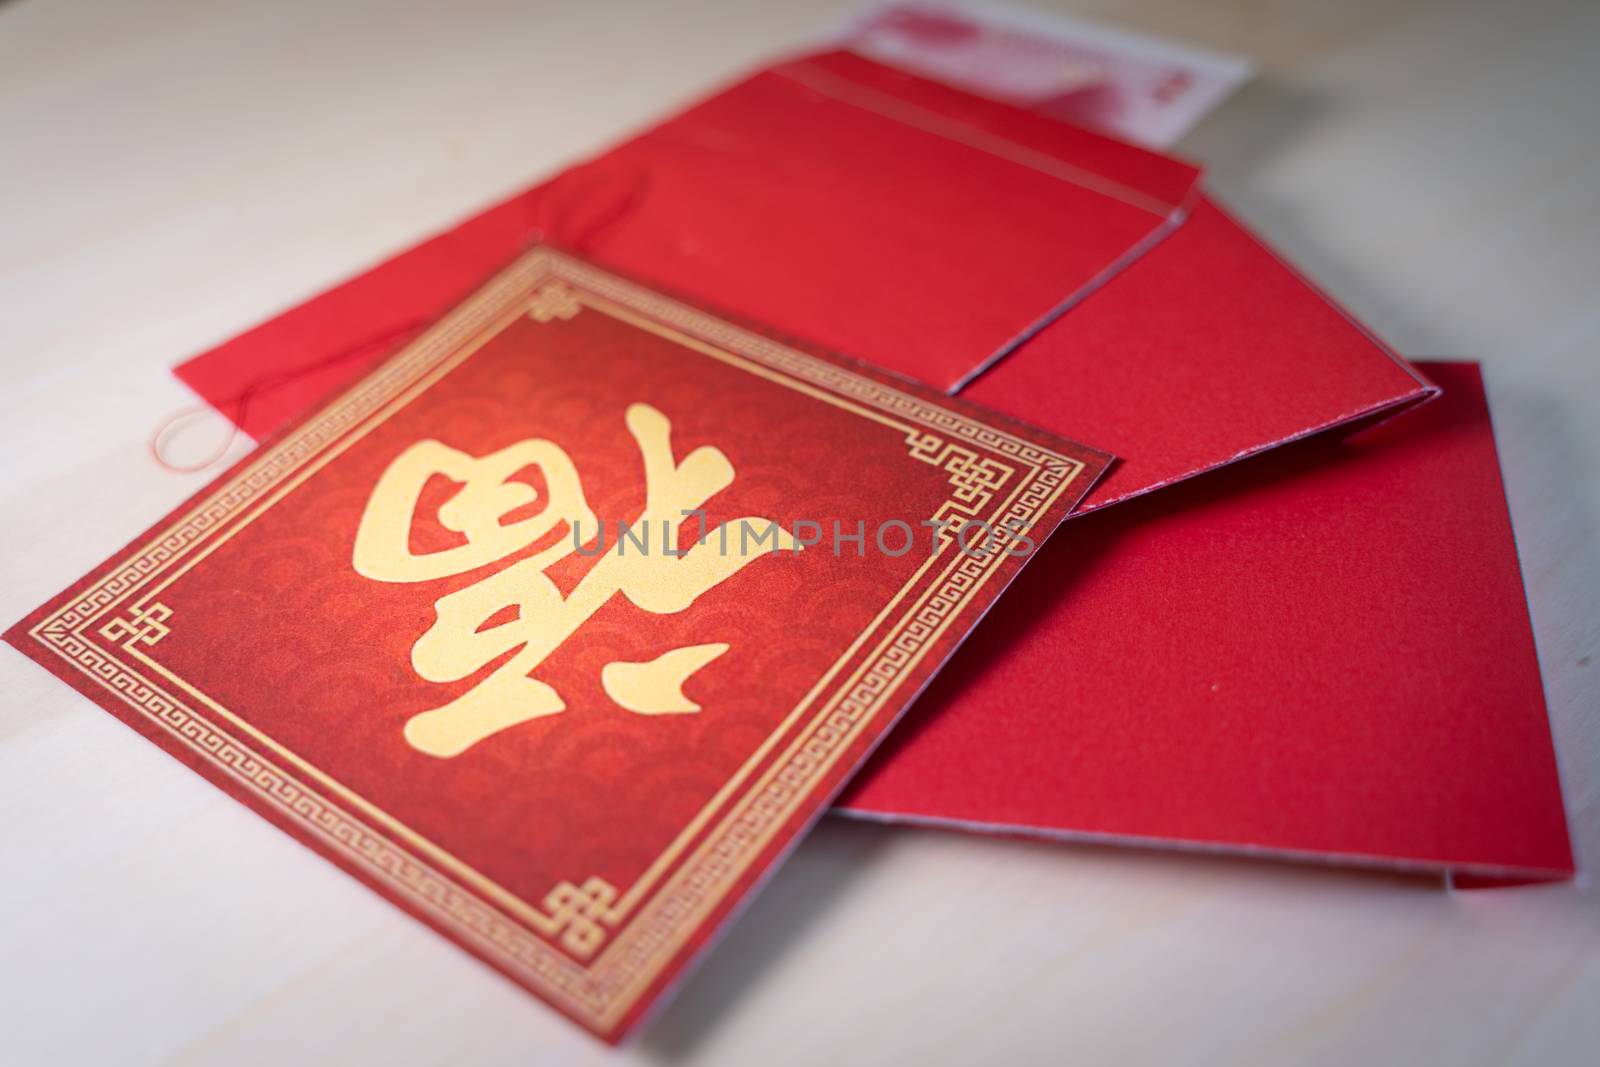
563	623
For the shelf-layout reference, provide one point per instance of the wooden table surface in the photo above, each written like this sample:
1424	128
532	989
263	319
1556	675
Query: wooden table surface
172	172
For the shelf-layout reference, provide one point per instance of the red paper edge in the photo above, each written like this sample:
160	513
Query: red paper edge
1355	421
1463	875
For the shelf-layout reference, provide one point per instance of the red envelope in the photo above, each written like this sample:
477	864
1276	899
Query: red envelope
1323	652
910	225
960	234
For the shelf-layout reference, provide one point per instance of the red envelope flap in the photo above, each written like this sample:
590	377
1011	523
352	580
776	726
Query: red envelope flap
961	240
1206	350
1323	652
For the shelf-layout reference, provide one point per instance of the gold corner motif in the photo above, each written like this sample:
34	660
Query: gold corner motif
974	478
141	626
581	915
554	301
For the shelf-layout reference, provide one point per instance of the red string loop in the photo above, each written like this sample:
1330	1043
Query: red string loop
236	409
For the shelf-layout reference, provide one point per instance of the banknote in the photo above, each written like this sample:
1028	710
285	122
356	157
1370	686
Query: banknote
1142	88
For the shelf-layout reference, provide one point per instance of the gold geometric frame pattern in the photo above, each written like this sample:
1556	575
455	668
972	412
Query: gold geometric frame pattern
106	633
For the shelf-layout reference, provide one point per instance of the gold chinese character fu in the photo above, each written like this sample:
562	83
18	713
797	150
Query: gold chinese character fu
460	642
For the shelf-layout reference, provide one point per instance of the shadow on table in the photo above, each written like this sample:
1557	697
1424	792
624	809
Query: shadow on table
1564	530
782	913
824	869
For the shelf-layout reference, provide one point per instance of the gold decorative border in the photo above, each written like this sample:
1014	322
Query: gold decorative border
979	460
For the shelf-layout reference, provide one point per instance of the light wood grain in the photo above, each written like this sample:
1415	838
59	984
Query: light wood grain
171	172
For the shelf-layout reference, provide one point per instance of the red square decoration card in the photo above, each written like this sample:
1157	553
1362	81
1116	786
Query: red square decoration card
564	622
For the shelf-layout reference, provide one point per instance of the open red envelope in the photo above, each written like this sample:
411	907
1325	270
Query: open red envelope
1323	652
923	230
912	226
